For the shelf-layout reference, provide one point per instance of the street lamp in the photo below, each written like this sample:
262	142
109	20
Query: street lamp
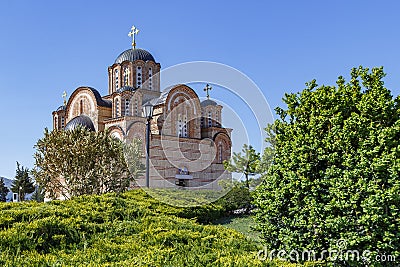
148	113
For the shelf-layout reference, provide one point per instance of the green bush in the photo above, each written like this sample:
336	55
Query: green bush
130	229
335	177
238	197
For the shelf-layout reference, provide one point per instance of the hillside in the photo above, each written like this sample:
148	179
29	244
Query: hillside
131	229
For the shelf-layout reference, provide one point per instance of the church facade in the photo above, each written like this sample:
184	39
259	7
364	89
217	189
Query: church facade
187	142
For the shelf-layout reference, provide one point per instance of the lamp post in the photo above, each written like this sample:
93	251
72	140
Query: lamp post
148	113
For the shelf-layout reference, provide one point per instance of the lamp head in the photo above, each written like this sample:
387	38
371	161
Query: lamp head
148	110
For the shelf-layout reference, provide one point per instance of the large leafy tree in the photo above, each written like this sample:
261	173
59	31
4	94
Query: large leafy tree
23	183
3	190
336	169
246	163
77	162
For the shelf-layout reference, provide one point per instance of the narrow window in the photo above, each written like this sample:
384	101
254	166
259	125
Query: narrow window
138	77
116	79
150	78
81	106
220	153
116	108
126	76
209	119
185	127
179	125
127	113
62	122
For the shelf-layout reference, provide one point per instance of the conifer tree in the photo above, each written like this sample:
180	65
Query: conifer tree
3	190
246	163
23	183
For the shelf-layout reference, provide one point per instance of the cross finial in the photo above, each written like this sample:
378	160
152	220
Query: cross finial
134	31
64	95
206	89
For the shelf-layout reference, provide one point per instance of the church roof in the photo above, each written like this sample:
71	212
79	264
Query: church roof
126	88
134	54
100	101
83	121
208	102
63	107
163	97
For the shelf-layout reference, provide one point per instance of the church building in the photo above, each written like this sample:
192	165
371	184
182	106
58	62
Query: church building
188	143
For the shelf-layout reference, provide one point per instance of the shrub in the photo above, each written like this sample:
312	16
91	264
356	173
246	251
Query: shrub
336	169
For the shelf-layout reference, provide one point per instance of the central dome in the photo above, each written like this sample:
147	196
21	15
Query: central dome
134	54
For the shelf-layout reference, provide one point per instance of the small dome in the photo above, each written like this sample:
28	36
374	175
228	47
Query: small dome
208	102
61	108
83	121
126	88
134	54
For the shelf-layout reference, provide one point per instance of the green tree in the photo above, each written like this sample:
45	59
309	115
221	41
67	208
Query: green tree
246	163
336	169
38	194
3	190
23	183
77	162
267	158
134	158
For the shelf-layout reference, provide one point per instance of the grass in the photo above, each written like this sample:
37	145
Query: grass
242	223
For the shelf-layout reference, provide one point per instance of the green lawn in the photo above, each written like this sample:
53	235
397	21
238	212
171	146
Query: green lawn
242	223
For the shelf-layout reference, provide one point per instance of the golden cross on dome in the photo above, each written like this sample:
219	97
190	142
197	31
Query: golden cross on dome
134	31
206	89
64	95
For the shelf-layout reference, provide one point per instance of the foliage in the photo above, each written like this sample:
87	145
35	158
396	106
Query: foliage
267	158
38	194
3	190
133	156
77	162
129	229
336	169
246	163
237	198
23	183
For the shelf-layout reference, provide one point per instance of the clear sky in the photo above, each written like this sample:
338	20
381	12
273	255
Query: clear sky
47	47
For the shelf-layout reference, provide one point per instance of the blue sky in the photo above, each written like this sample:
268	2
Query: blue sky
47	47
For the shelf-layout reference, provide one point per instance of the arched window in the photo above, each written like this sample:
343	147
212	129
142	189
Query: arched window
182	125
116	79
62	122
209	119
179	130
150	78
136	107
185	126
127	106
81	106
139	77
117	108
220	152
126	76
